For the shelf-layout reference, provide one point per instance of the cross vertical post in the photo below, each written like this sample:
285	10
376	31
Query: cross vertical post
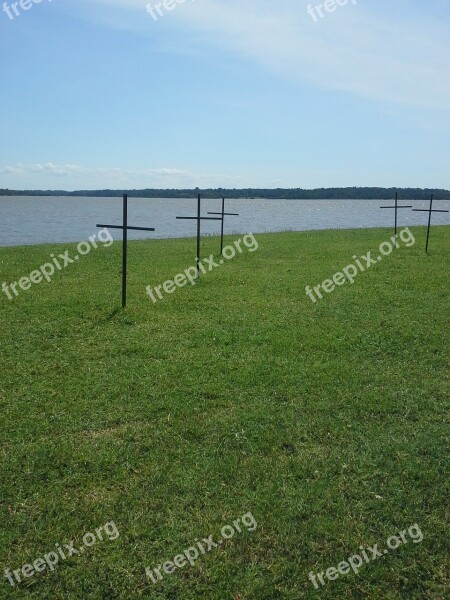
429	224
221	225
199	209
396	211
223	215
429	211
124	250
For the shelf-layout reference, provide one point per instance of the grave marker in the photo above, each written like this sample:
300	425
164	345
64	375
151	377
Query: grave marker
396	207
199	219
223	215
125	228
429	211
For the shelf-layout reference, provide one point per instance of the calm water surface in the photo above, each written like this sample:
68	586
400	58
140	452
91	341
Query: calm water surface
39	220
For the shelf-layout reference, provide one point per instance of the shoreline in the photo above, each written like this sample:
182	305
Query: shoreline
215	236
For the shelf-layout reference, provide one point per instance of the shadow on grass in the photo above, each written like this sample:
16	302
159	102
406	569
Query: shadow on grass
114	312
117	311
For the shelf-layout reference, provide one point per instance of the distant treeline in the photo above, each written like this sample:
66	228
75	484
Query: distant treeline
351	193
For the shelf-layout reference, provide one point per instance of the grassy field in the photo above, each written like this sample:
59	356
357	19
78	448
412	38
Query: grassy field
326	422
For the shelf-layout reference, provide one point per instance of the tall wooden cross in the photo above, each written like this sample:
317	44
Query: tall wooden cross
223	215
199	219
125	228
429	211
396	207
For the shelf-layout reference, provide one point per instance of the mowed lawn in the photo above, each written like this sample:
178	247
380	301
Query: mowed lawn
327	421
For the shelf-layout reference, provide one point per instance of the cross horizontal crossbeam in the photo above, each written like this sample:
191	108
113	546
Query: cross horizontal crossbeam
200	218
428	210
129	228
225	214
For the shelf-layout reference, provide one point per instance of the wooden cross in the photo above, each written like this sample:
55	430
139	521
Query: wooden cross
429	211
223	214
199	219
125	228
396	206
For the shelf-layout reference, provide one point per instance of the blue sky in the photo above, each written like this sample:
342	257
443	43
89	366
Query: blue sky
232	93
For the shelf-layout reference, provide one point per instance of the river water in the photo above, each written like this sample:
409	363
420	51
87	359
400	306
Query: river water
52	219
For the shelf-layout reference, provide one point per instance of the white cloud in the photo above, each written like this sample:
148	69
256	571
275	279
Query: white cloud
386	52
69	176
47	169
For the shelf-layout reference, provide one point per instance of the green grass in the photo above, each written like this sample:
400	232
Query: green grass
326	421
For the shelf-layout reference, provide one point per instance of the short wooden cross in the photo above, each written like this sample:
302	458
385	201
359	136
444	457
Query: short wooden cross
199	219
396	207
223	215
429	210
125	228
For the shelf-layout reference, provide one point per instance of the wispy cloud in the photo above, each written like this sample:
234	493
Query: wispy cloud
385	52
75	176
47	169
